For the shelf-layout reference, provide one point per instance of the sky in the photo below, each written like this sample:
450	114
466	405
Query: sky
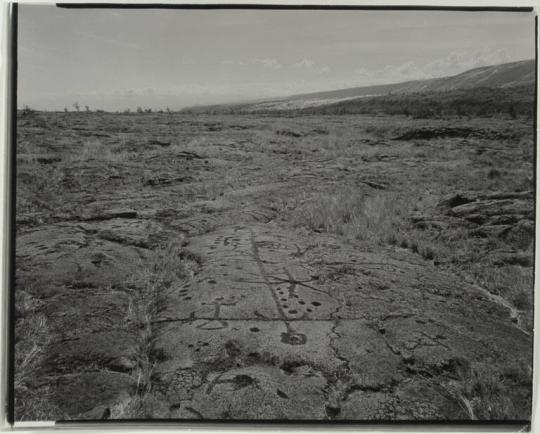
114	59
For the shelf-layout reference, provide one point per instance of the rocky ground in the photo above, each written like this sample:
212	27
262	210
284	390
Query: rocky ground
249	267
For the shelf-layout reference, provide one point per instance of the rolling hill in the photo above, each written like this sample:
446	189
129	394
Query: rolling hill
519	74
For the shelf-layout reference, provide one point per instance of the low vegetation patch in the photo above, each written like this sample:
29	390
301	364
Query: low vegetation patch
484	393
32	399
512	282
354	214
170	266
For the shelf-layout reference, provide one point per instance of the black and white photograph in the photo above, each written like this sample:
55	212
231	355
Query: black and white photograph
272	214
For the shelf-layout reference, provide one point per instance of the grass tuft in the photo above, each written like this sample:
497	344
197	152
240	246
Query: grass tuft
166	272
354	214
32	400
512	282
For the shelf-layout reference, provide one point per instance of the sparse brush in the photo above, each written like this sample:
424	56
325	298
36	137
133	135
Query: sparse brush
353	214
33	336
135	407
39	187
487	391
511	282
25	303
26	110
97	150
32	401
157	280
481	390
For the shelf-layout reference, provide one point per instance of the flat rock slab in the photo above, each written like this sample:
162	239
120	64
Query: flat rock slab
66	255
259	318
250	273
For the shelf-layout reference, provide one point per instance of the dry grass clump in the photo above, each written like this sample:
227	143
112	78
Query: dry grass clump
167	271
156	281
32	400
484	393
382	218
512	282
139	406
413	240
41	185
97	150
38	187
354	214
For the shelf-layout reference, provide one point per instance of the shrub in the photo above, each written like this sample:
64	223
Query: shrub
26	110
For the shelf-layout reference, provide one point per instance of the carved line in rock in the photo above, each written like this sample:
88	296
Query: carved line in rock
291	336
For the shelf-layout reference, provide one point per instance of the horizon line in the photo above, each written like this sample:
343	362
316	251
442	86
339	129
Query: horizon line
272	99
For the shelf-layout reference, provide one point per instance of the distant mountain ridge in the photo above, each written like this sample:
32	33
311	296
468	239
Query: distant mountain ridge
507	75
503	75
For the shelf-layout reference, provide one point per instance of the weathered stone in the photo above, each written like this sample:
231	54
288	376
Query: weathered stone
189	281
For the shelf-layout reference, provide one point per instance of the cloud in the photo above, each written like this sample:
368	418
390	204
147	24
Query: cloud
304	63
267	63
459	61
311	65
324	70
270	64
453	63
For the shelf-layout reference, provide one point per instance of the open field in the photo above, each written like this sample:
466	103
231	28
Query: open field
254	267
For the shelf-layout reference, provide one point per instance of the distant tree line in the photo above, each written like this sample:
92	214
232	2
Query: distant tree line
77	108
27	110
511	102
477	102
